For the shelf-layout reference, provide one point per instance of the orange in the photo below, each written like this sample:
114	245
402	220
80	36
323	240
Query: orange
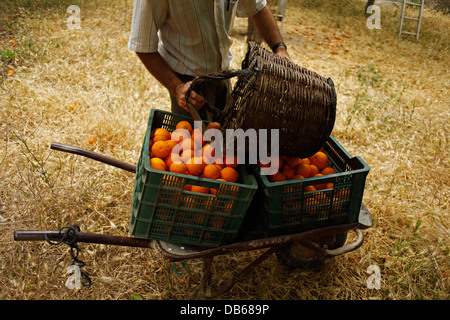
195	165
162	132
321	185
200	189
197	135
213	125
319	159
188	143
187	187
231	161
186	155
172	143
184	125
280	165
208	151
211	171
298	177
160	137
213	190
178	167
281	162
288	171
327	170
172	157
179	135
304	170
229	174
161	149
314	170
277	177
310	188
293	161
306	161
219	163
158	164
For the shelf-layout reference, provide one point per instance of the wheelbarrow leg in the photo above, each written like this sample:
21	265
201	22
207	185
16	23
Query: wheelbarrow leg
207	262
228	285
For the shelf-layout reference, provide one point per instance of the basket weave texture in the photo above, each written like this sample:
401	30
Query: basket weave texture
274	93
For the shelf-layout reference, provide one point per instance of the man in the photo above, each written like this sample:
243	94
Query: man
178	40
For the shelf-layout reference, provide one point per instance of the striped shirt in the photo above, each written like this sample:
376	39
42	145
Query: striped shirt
192	36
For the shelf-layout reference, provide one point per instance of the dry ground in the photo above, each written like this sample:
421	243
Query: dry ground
392	111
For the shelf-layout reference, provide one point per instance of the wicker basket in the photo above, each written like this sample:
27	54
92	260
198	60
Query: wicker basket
274	93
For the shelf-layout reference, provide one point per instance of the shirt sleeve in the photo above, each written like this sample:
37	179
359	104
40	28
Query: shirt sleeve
248	8
148	16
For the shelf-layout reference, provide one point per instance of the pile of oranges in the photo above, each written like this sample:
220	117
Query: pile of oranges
293	168
185	151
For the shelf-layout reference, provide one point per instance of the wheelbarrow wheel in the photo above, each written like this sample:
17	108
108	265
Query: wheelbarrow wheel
308	254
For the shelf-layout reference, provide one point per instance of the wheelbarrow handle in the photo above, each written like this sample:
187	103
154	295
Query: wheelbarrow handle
94	156
38	235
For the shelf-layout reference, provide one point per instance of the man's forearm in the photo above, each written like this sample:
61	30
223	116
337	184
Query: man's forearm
177	88
158	68
268	28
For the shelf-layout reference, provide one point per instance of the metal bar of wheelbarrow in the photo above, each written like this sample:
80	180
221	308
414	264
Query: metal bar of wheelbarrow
174	253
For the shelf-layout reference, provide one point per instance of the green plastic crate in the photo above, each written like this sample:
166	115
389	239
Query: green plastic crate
162	209
287	208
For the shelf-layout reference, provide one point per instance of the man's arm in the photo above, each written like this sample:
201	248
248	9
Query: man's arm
268	28
158	68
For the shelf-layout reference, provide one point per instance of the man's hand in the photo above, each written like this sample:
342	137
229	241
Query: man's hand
282	52
194	98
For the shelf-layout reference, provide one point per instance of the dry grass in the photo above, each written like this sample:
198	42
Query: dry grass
392	111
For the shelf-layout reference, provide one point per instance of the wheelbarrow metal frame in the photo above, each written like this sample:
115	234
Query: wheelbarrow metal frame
175	252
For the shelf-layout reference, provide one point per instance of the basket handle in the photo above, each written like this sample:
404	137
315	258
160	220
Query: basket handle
196	86
198	81
195	115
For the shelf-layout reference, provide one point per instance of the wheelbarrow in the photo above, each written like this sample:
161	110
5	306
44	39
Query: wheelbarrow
293	250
